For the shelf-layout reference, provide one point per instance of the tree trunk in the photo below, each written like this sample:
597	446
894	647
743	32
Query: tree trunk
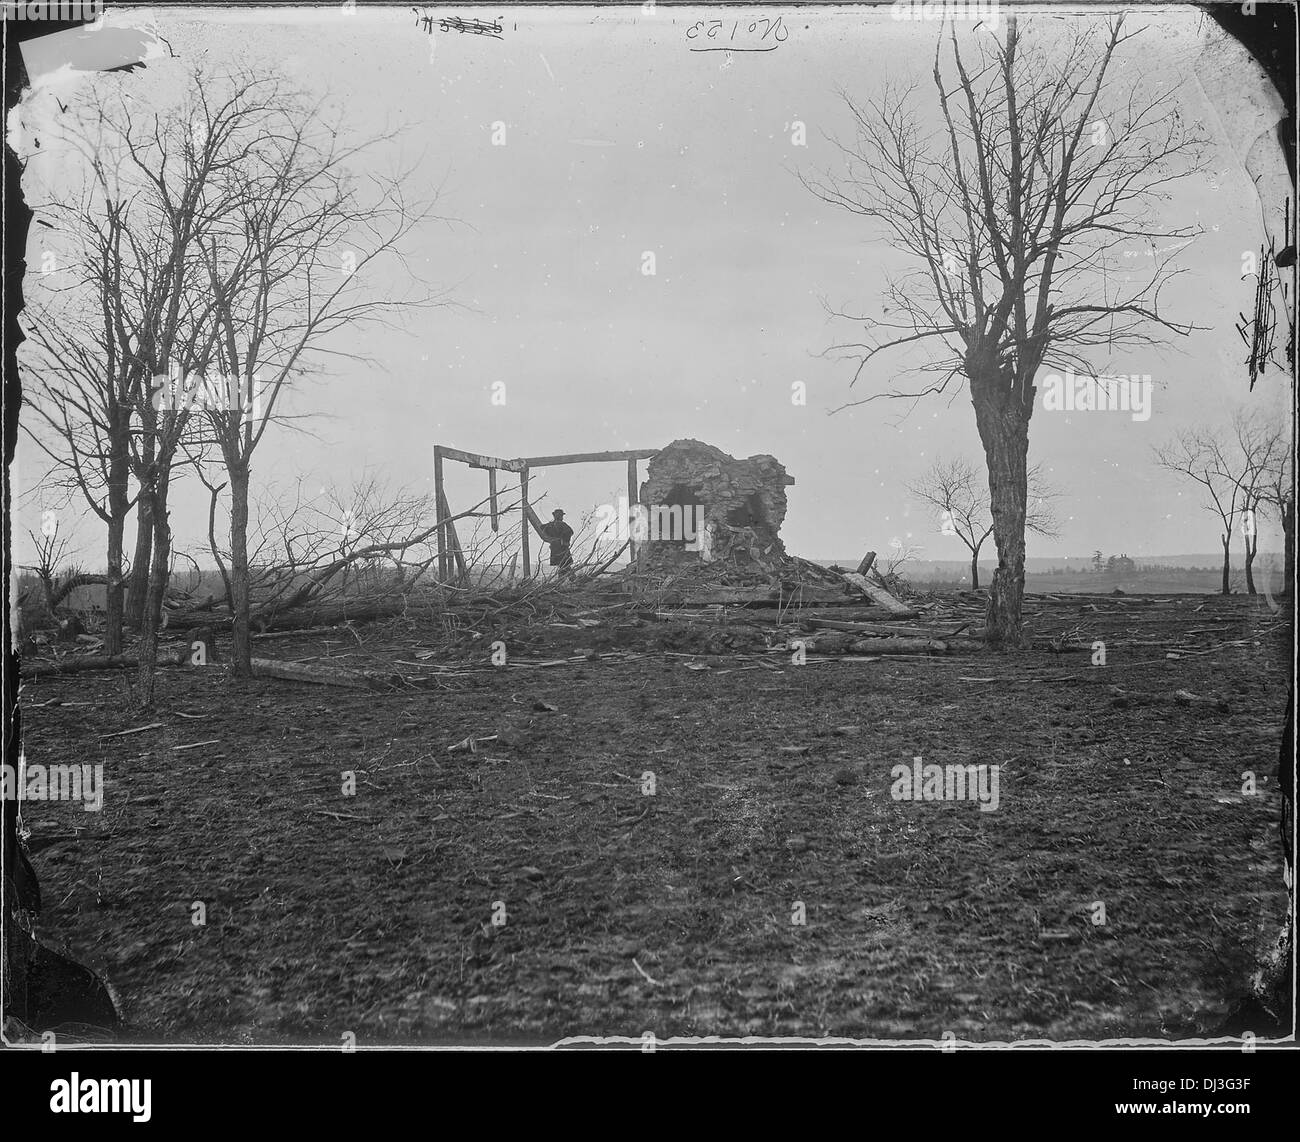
46	576
113	587
975	570
72	583
1226	540
1002	417
241	647
118	471
73	665
152	618
1250	543
138	587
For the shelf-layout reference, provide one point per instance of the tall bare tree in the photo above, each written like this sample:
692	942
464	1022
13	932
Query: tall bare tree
1233	468
1043	162
225	238
82	387
1260	447
156	193
959	496
304	249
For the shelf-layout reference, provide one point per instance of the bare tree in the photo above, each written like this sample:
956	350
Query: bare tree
82	388
300	252
1260	450
159	182
133	225
51	553
1043	163
214	232
1231	467
958	494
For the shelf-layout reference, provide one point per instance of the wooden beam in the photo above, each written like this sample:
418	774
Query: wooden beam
454	555
462	573
535	520
881	596
525	512
492	498
591	457
475	460
439	499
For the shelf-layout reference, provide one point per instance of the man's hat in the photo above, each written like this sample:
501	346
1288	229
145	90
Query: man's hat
557	511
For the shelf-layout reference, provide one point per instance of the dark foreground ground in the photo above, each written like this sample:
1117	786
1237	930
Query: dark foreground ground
620	912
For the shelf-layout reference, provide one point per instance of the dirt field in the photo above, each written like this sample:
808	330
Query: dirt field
620	912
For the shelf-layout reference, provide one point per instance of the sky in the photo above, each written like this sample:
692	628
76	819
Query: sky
582	140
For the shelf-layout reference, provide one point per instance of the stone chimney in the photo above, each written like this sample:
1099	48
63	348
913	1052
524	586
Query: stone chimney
699	504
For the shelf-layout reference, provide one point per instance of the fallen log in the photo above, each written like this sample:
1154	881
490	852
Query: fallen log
899	646
324	675
262	668
885	629
880	595
969	645
827	643
99	662
302	617
64	589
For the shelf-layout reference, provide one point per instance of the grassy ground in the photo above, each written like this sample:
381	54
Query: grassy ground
620	912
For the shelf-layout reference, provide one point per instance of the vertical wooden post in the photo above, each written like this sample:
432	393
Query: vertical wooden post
457	555
523	497
439	499
492	498
632	496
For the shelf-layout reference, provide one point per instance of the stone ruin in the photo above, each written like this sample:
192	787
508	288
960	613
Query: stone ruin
700	505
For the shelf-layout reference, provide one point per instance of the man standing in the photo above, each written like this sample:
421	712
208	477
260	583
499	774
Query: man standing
558	534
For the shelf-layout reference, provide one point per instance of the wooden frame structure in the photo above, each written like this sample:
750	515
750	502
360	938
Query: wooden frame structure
450	553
